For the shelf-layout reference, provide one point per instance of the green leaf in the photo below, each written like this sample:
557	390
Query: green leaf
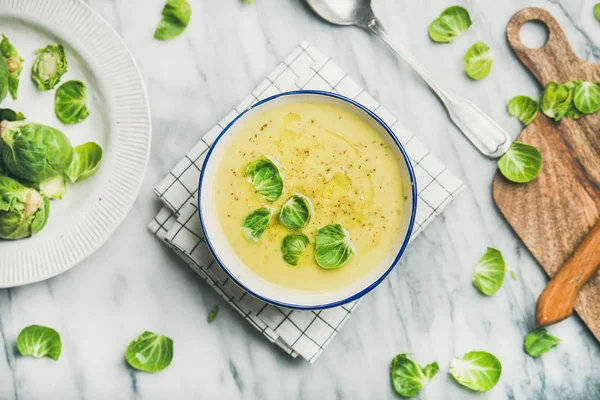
333	247
86	160
6	114
296	212
292	247
213	313
477	370
34	152
70	102
513	275
556	100
489	272
54	187
586	97
49	66
14	64
524	108
521	163
408	378
478	61
39	341
573	112
539	341
597	11
248	1
175	18
266	179
256	223
4	81
452	22
150	352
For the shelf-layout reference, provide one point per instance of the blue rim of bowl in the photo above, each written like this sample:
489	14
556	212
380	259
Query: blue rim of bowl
410	224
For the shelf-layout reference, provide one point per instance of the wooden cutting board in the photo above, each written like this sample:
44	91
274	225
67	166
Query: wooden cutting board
553	213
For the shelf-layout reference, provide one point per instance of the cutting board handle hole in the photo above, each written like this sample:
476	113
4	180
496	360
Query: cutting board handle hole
534	34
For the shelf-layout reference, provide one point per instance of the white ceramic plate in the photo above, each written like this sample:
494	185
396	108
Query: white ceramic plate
119	121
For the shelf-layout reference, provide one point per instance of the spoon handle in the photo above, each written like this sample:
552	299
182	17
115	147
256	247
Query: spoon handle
485	134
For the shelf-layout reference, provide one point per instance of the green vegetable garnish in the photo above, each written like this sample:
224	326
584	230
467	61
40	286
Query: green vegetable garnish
477	370
333	247
23	210
408	378
54	187
296	212
489	272
521	163
256	223
14	64
597	11
539	341
70	102
49	66
524	108
150	352
586	97
34	152
450	24
292	247
213	313
266	179
478	61
39	341
6	114
556	100
86	160
175	18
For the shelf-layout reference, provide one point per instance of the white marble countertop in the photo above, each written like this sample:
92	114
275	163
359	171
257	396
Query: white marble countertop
427	306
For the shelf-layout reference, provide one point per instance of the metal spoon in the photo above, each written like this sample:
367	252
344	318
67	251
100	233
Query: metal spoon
487	136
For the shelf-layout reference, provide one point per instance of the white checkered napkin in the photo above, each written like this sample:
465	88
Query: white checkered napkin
298	332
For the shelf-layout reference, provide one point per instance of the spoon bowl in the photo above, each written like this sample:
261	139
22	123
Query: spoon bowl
343	12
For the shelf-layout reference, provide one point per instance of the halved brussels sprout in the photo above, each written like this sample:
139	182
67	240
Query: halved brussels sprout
70	102
14	64
49	66
54	187
34	152
23	211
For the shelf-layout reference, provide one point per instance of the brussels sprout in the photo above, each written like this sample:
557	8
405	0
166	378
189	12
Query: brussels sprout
54	187
49	66
478	61
14	64
2	168
39	341
70	103
86	160
23	211
34	152
451	23
175	18
6	114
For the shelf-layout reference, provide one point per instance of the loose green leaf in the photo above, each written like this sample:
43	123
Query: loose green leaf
4	81
23	210
556	100
597	11
489	272
524	108
266	179
450	24
539	341
150	352
521	163
573	112
70	102
408	378
248	1
175	18
478	61
213	313
86	160
34	152
39	341
586	97
6	114
333	247
54	187
256	223
292	247
14	64
477	370
513	275
49	66
296	212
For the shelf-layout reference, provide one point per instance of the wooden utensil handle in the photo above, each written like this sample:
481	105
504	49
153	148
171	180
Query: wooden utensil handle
557	300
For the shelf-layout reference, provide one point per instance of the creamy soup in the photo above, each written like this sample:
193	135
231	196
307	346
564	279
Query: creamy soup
336	160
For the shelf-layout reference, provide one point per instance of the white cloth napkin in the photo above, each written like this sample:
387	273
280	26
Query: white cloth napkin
304	333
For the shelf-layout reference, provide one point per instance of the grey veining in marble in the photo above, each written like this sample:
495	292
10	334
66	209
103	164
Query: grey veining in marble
427	306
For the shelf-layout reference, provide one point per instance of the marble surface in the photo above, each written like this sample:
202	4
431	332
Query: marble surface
427	306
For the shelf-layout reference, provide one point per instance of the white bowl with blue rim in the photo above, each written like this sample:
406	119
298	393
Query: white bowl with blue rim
245	277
